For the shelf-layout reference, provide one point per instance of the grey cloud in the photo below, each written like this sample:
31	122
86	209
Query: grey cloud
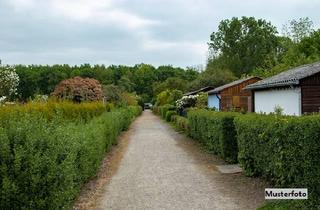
161	32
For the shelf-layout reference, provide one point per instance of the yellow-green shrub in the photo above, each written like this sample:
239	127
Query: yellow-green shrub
51	109
44	162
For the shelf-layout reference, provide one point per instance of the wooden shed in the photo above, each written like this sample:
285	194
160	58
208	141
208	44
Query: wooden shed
296	91
201	90
232	96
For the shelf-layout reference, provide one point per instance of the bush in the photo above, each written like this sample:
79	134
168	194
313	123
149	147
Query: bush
43	163
79	89
52	109
286	150
165	108
182	123
169	115
216	131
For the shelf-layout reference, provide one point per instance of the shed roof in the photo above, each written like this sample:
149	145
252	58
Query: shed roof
205	89
287	78
237	82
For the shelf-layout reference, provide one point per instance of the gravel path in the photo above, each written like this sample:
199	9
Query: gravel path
162	169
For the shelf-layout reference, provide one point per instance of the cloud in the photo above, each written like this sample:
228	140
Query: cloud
125	31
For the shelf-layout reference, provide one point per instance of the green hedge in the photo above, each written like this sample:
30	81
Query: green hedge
181	122
53	109
43	163
284	149
169	115
165	108
216	131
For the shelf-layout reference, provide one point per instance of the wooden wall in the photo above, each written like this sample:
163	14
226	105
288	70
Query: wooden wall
310	94
235	98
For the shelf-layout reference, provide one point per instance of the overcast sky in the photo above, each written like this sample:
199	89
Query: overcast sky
127	32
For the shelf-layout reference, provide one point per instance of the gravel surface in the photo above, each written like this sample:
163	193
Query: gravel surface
162	169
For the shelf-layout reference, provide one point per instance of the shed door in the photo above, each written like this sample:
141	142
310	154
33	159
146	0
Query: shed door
236	101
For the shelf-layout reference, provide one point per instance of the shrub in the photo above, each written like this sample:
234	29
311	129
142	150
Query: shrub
216	131
44	164
165	108
52	109
182	123
9	81
169	115
284	149
79	89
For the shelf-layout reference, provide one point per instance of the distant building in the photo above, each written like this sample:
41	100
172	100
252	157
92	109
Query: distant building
296	91
203	90
232	96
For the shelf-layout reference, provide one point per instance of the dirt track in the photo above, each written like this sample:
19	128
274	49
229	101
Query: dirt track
162	169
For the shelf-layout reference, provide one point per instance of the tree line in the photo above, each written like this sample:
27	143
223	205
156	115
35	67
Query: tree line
143	79
238	48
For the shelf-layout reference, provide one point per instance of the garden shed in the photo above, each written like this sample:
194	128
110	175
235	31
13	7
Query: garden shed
232	96
202	90
296	91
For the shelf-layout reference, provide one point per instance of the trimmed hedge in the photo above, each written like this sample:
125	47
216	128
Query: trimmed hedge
43	163
284	149
216	131
52	109
181	122
165	108
169	115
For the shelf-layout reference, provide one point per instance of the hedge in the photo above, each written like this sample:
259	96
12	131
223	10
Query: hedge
286	150
169	115
43	163
216	131
181	122
165	108
52	109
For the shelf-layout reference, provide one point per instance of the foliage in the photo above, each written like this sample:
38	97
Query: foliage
164	109
50	110
43	165
79	89
181	122
141	79
213	76
285	205
202	100
169	115
269	147
257	37
172	83
298	29
9	81
186	102
216	131
168	97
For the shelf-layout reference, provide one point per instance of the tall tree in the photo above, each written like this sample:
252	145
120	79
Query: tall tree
298	29
244	44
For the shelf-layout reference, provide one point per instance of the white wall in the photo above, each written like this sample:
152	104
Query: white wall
289	99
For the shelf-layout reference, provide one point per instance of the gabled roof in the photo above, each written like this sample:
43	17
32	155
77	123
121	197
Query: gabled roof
287	78
205	89
237	82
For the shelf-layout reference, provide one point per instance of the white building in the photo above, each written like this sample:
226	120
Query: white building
296	91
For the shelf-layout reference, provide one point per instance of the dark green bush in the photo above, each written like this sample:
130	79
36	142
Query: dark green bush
165	108
169	115
43	163
286	150
182	123
216	131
